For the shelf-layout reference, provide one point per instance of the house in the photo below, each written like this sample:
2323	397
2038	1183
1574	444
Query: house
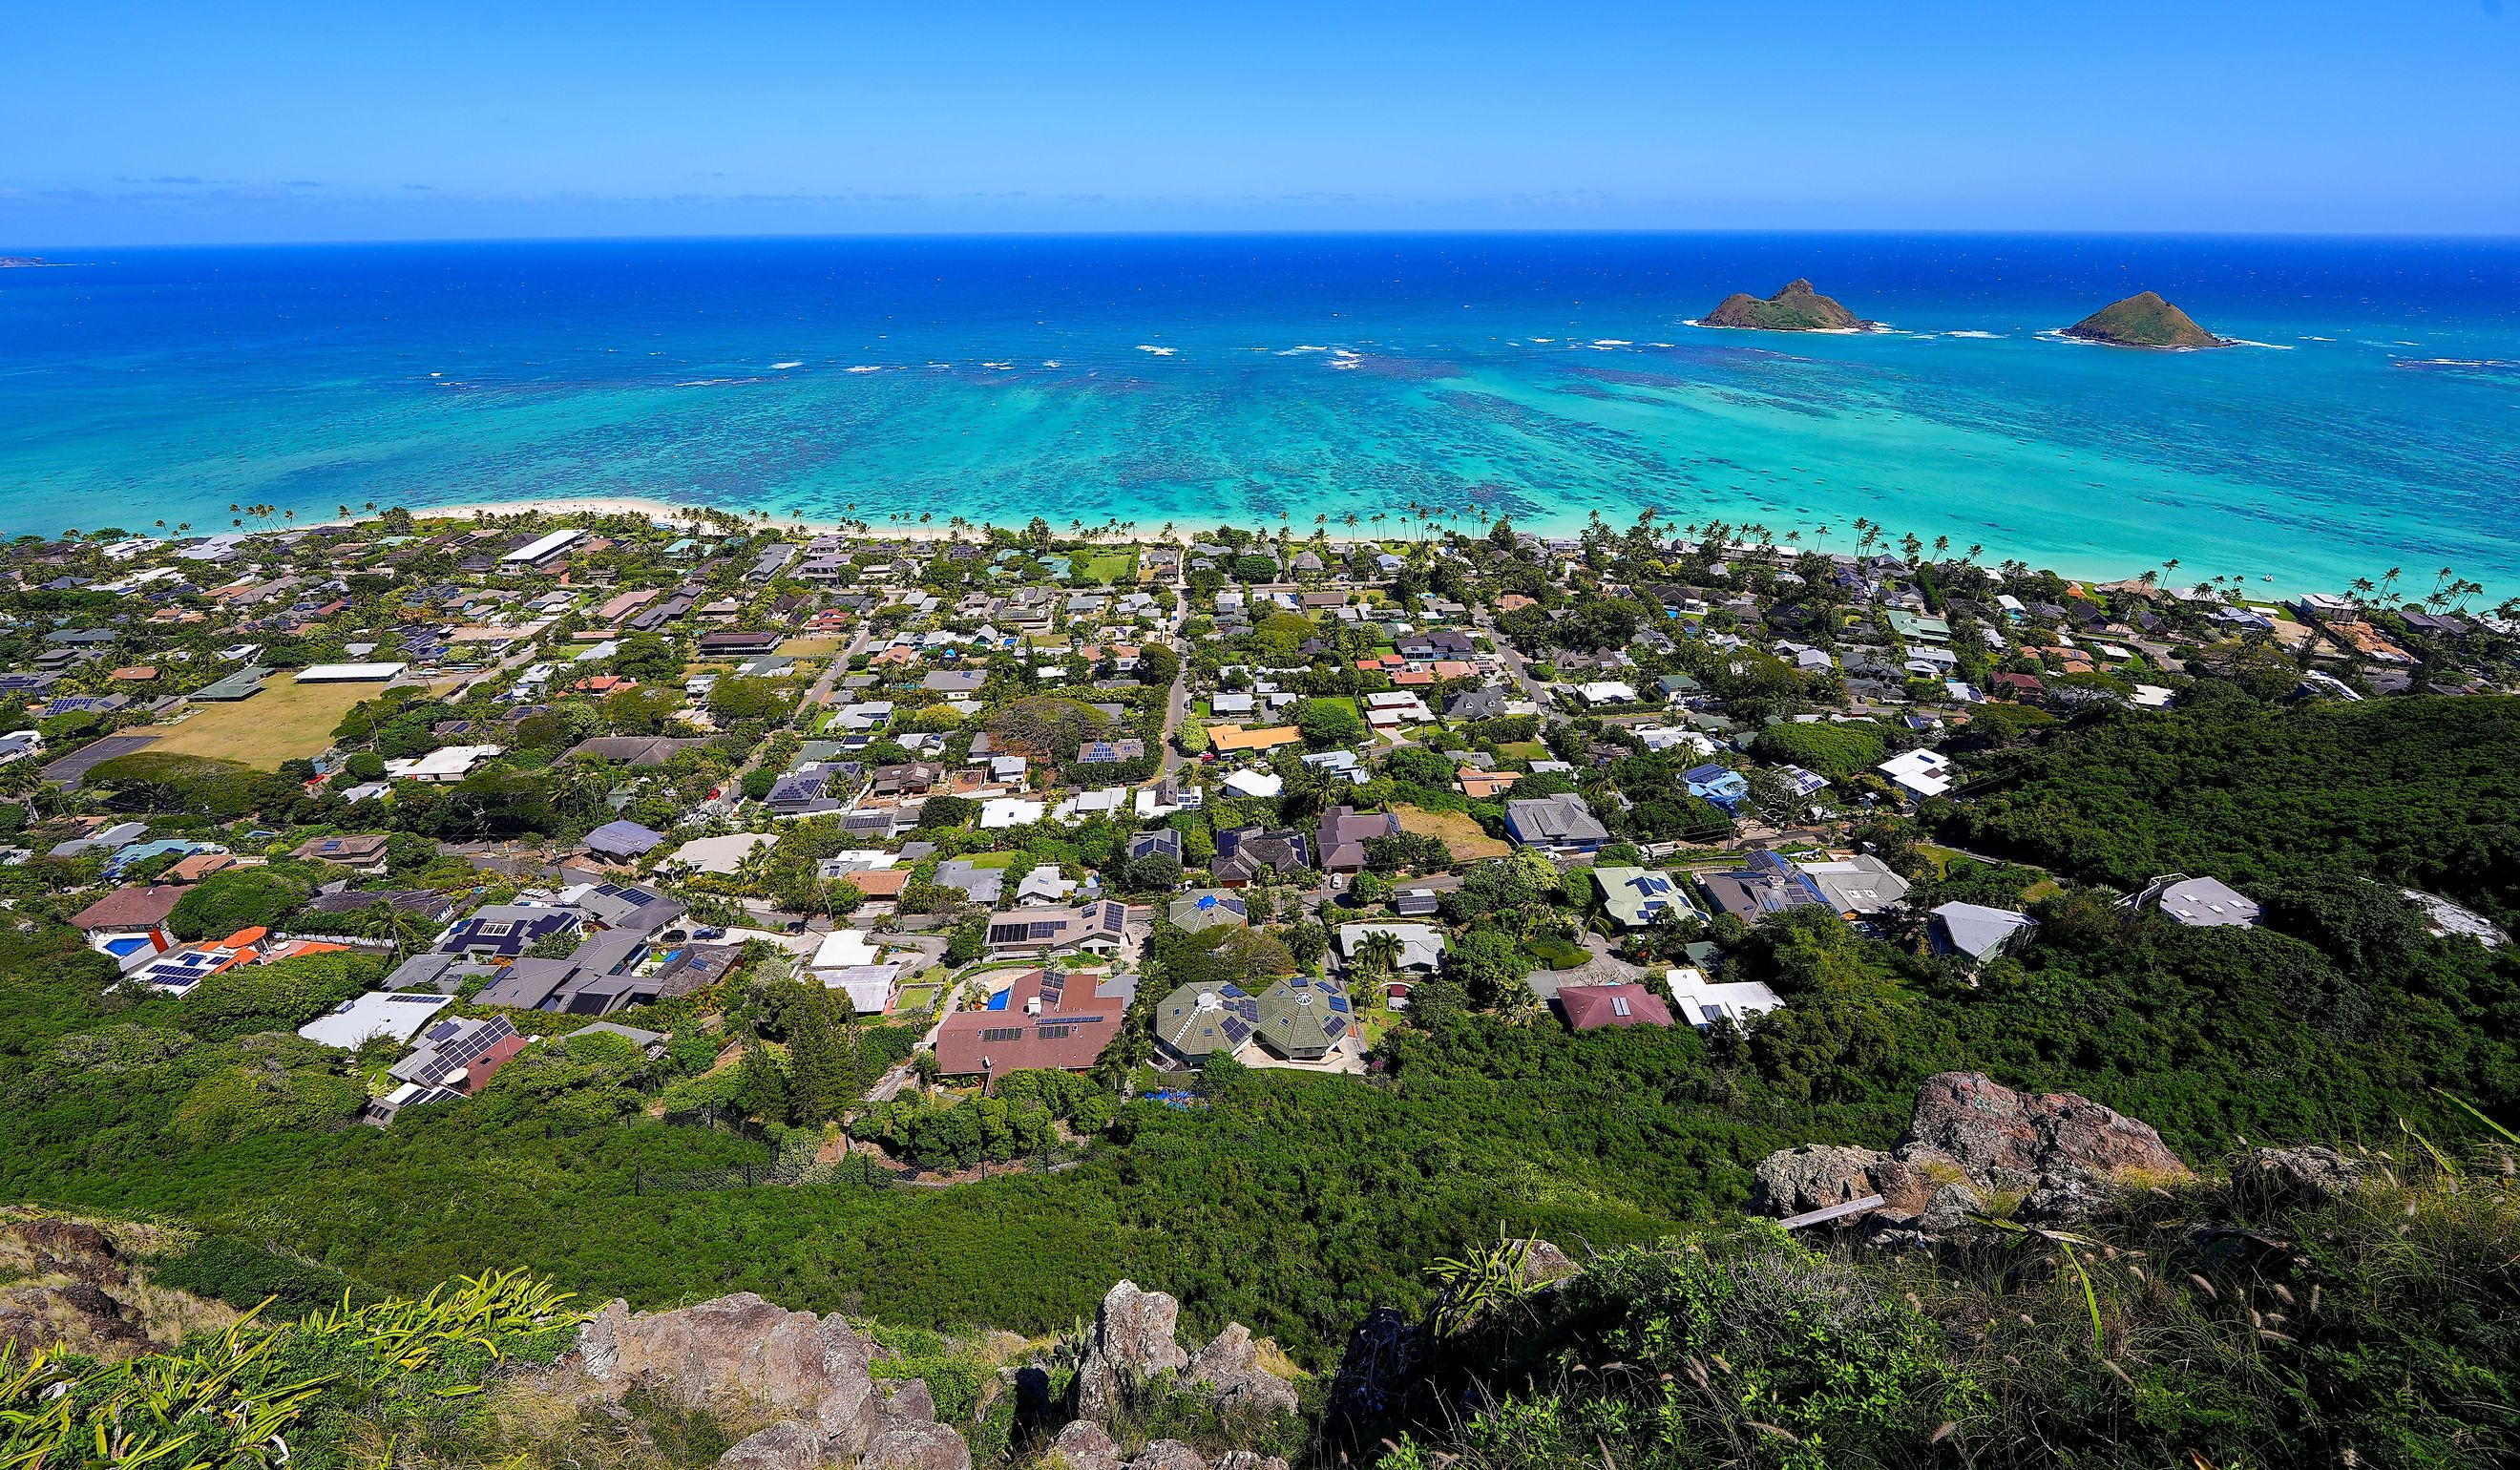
1342	833
1199	1022
543	551
1606	692
1304	1019
1589	1008
447	763
1207	908
850	960
393	1015
634	751
1236	739
1979	933
1855	886
458	1053
1919	775
2207	904
1159	842
1702	1003
506	931
129	910
1765	884
1044	1020
999	813
1247	854
980	885
1636	897
740	643
1721	784
365	853
623	841
1110	752
1422	946
622	906
1558	823
1484	785
1101	927
425	903
1255	782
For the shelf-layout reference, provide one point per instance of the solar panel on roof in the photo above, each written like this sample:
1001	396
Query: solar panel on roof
1298	983
1236	1031
1339	1003
1045	929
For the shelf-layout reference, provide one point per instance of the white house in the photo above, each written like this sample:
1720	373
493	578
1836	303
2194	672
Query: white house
1701	1002
1919	774
444	764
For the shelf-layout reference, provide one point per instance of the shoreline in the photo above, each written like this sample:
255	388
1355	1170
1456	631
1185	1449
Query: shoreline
2267	590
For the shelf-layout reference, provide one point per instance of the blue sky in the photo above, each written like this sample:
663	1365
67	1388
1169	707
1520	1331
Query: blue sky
142	123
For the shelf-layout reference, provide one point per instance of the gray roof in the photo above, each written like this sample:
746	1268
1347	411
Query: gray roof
1562	817
2208	903
1978	932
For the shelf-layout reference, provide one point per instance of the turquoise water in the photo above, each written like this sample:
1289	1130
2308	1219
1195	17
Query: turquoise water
2374	422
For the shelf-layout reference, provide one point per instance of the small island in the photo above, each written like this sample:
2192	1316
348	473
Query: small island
1796	308
8	261
2143	320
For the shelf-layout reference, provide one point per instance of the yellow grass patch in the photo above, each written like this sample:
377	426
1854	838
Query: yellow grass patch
1459	831
286	721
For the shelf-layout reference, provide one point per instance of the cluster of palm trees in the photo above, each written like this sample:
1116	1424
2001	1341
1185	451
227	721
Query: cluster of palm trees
2450	592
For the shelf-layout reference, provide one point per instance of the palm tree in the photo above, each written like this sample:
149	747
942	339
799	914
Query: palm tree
1378	952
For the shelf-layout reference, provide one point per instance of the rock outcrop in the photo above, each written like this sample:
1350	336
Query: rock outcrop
1796	308
1086	1445
1132	1342
811	1372
1970	1139
2004	1139
1229	1367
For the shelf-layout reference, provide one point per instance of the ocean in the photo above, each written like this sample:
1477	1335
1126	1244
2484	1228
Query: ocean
2371	422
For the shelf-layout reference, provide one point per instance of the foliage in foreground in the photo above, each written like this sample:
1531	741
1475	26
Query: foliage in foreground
322	1390
2205	1327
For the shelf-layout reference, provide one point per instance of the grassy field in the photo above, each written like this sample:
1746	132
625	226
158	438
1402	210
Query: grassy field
286	721
815	645
1459	831
1525	751
1107	567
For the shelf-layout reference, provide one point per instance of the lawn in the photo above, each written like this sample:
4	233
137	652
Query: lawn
1107	567
286	721
813	646
1459	830
1525	751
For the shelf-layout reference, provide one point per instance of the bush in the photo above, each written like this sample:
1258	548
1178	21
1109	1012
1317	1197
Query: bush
241	898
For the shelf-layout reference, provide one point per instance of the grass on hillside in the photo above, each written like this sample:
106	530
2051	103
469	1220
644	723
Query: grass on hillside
1459	830
286	721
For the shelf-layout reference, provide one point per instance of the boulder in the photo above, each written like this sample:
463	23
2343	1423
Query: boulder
1086	1445
740	1347
907	1401
1544	1265
1816	1176
1231	1368
2303	1176
2065	1195
1949	1209
905	1445
789	1444
1168	1454
2007	1141
1248	1460
1132	1342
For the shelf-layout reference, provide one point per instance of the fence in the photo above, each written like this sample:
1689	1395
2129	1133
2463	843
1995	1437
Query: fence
856	1169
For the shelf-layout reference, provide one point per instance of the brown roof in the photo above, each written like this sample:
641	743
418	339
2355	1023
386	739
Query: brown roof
199	866
1069	1034
1589	1008
130	908
1252	738
877	882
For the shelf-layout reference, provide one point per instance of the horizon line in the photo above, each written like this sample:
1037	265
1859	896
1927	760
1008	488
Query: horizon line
1298	232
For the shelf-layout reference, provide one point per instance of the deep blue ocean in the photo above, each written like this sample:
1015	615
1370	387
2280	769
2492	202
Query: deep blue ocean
2372	421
